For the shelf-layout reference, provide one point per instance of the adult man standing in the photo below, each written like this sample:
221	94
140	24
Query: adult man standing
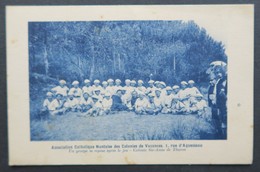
221	102
214	110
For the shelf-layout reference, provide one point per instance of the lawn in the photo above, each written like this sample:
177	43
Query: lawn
122	126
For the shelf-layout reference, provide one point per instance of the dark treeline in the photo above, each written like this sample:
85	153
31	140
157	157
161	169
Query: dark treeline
170	51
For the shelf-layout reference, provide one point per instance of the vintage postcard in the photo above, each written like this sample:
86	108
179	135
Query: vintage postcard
156	84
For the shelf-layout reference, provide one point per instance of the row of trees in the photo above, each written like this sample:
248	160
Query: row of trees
162	50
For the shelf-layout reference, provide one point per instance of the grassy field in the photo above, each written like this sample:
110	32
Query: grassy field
121	126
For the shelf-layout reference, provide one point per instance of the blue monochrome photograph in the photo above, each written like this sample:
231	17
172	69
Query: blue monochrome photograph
126	80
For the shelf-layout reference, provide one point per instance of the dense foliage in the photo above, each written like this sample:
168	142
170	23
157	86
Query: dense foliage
170	51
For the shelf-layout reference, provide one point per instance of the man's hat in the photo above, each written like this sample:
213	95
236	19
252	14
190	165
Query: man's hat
151	82
168	88
86	81
96	81
133	82
184	83
110	80
75	82
127	81
49	94
163	83
104	83
140	82
175	87
62	82
118	80
191	82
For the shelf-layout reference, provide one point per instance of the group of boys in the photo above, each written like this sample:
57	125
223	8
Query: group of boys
110	96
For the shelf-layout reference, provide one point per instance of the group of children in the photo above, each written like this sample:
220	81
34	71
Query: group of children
110	96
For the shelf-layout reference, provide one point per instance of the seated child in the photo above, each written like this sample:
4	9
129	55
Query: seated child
152	109
57	106
178	107
117	104
72	103
199	106
167	101
86	103
107	104
158	100
46	105
97	108
141	104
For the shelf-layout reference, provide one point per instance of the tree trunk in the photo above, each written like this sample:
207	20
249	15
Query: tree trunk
46	62
93	64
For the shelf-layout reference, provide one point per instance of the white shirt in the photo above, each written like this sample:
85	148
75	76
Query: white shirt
54	105
98	105
192	91
150	89
107	103
183	94
71	103
75	91
175	96
201	104
100	97
116	88
61	90
158	101
111	90
86	89
104	91
86	102
141	89
47	103
167	100
96	87
141	103
129	90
